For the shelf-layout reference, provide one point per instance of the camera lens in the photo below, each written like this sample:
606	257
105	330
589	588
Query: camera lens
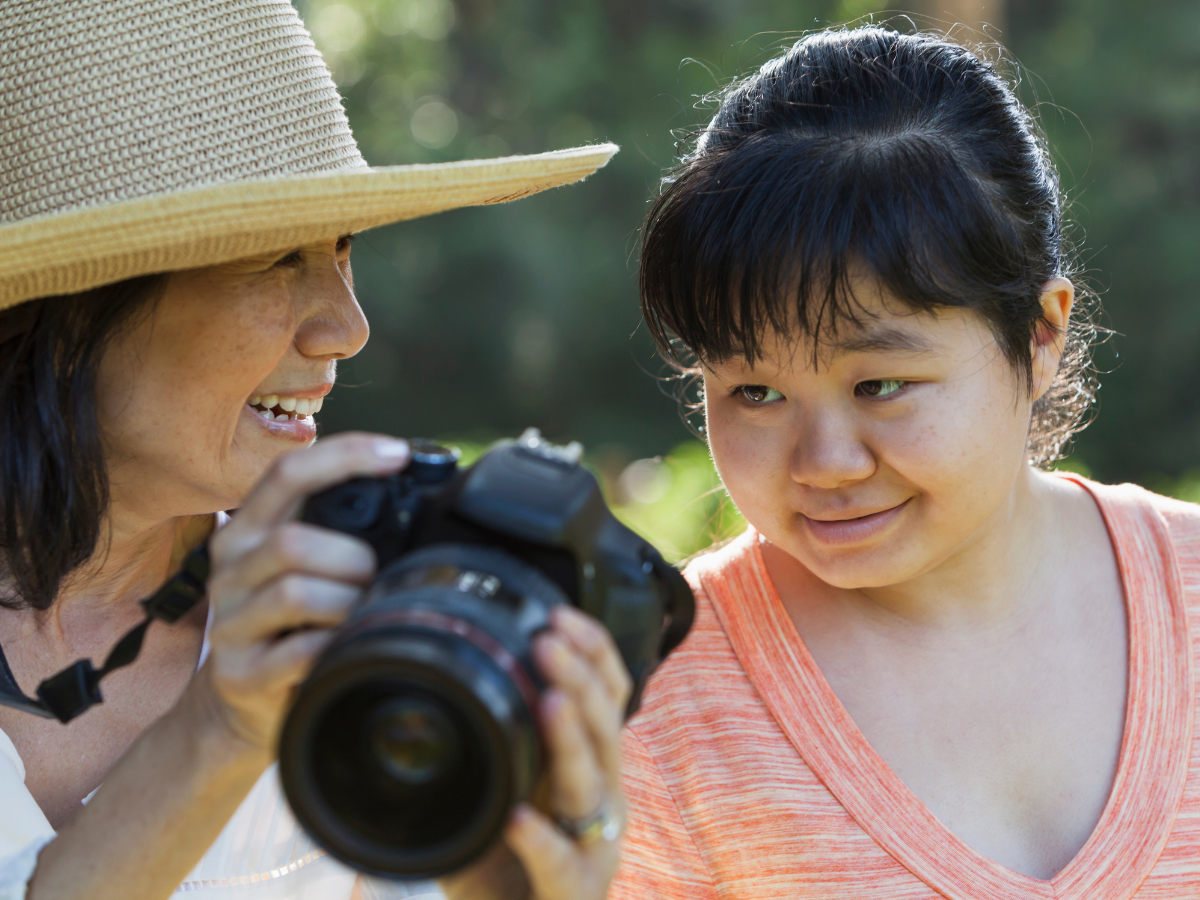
413	741
406	751
415	734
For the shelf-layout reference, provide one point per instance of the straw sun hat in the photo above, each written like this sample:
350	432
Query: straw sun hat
141	136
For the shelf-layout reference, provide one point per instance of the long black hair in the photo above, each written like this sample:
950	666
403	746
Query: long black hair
53	478
907	154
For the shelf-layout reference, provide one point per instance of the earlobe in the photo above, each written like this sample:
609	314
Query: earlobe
1050	334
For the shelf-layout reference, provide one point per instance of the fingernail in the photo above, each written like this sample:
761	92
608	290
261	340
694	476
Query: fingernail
520	815
390	448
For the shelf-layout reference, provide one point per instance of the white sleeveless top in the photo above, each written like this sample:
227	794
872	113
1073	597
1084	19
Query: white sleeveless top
262	853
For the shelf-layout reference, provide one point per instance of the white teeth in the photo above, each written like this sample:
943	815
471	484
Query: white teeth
298	406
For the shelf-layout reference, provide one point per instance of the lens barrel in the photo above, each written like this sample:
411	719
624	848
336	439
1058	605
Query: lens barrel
415	734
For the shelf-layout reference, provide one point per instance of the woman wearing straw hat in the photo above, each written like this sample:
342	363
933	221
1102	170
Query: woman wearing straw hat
178	184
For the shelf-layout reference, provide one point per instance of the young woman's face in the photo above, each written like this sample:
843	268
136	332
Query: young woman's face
182	394
883	461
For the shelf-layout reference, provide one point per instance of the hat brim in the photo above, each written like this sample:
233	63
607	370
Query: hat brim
73	251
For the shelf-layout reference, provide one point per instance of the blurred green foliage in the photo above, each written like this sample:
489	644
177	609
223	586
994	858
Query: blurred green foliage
488	320
1118	86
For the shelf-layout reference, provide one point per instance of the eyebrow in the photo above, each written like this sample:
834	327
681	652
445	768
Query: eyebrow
882	339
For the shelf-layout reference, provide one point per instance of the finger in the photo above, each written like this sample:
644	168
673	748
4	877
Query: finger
594	641
324	464
600	715
552	861
288	661
302	548
291	602
579	785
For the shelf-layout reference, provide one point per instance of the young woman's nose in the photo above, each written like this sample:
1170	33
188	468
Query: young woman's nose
829	453
332	325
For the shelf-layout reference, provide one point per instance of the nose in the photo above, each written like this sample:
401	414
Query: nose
332	324
829	452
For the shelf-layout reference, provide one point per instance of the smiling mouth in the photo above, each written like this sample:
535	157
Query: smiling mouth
854	530
849	519
273	407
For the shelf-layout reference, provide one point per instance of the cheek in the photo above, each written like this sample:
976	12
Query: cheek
203	367
753	463
171	392
961	453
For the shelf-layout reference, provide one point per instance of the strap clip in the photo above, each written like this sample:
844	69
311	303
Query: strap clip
72	691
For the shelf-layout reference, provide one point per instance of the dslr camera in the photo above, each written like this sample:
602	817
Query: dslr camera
417	731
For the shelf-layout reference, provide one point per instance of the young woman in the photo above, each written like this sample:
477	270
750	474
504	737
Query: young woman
178	183
929	668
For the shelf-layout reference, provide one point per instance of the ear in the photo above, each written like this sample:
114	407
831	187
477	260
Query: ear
1050	334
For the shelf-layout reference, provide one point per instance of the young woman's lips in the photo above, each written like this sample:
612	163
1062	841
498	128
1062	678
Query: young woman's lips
852	531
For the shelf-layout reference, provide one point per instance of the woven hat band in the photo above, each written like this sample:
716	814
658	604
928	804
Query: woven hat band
119	99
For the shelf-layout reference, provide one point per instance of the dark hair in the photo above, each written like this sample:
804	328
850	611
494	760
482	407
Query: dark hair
907	154
53	479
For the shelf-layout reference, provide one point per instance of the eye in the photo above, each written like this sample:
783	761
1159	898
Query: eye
343	244
292	259
758	394
884	387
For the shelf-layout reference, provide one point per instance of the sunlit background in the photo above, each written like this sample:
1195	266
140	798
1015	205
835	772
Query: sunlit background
485	321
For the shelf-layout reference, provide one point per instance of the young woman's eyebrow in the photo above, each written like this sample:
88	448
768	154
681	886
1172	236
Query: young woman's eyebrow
882	339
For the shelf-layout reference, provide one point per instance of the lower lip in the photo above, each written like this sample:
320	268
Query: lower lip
300	431
852	531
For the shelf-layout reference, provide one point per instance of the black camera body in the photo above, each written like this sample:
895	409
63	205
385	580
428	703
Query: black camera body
416	732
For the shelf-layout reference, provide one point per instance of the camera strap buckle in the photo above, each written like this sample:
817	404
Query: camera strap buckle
76	688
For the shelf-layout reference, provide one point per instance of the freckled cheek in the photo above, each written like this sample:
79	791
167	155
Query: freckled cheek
960	453
242	356
753	464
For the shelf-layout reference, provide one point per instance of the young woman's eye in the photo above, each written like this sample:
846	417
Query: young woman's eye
882	388
759	394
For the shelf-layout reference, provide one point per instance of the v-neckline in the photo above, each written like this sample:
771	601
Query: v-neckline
1152	767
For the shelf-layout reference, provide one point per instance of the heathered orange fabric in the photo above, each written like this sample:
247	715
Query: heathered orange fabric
747	779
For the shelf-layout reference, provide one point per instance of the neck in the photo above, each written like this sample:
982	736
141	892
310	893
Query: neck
133	558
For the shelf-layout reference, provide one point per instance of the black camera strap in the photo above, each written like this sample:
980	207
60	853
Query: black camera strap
76	688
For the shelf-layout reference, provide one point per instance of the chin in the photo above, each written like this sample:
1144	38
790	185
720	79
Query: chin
873	567
249	462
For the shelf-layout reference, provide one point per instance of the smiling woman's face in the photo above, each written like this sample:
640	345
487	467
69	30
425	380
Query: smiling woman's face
879	464
174	391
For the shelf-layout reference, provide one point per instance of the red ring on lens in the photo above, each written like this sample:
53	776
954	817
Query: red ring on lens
479	638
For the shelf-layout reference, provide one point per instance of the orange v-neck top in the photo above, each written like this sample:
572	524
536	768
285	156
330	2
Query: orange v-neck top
748	780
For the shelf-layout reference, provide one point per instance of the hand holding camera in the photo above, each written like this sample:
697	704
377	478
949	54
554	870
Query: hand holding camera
278	586
466	677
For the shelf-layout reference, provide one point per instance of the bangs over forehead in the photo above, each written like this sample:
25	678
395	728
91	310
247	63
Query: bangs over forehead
776	238
857	153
